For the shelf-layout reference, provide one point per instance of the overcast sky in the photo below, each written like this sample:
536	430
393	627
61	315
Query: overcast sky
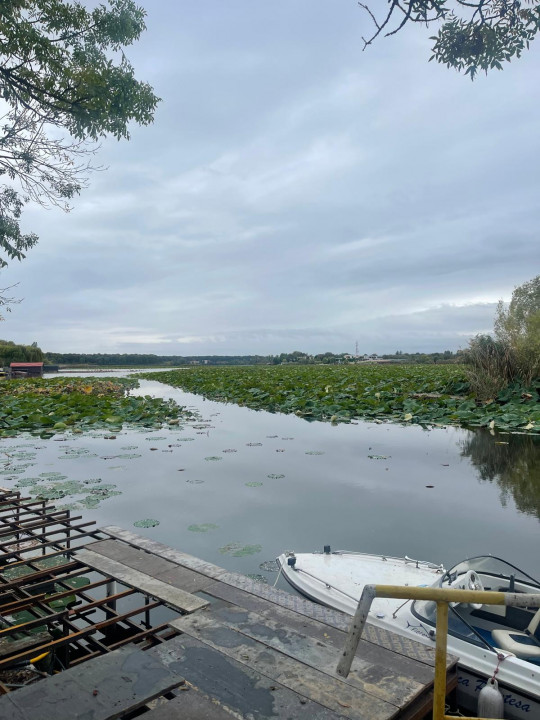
293	193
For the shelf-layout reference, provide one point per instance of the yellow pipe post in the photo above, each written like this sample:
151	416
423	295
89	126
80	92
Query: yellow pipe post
442	596
439	684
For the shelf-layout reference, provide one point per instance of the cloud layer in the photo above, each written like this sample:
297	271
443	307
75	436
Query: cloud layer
294	192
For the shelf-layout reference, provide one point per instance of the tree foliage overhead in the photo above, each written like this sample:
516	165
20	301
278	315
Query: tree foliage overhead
473	35
65	82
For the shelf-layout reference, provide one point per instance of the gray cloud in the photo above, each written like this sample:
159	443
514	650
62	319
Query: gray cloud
294	192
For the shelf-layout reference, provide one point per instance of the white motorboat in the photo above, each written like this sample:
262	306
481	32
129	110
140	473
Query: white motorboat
487	639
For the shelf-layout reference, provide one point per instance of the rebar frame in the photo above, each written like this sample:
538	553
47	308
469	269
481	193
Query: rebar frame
37	541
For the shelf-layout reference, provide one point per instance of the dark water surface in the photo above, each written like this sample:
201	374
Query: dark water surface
326	488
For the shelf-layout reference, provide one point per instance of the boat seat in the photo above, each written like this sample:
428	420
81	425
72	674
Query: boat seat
521	644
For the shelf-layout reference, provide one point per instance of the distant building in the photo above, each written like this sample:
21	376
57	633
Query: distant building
26	369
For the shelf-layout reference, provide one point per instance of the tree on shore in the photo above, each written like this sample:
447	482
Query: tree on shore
472	35
65	82
513	355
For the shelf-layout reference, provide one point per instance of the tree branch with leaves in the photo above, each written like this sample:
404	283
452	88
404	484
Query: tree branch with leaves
472	36
65	82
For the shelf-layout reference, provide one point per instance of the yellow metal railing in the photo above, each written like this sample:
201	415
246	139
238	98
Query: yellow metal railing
442	597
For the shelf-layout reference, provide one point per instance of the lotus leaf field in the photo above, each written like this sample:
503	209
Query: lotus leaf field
428	395
48	406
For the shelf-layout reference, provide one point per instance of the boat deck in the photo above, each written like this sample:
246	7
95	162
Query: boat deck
234	648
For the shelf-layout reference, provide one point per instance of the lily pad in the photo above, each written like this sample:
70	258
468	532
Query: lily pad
204	527
147	523
258	578
237	550
269	566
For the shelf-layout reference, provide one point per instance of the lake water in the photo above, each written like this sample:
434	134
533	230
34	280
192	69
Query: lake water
258	483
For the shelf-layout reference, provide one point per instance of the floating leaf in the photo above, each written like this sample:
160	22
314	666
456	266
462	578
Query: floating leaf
204	527
237	550
315	452
275	476
269	566
147	523
258	578
253	484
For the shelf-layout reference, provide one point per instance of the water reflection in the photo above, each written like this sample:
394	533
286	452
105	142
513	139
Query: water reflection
512	461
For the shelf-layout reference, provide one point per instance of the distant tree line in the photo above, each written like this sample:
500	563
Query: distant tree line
138	359
10	352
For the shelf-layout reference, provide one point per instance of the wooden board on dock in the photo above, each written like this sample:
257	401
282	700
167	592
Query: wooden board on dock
104	688
171	595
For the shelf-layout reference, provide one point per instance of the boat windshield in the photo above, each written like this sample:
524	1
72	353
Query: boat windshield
426	611
493	566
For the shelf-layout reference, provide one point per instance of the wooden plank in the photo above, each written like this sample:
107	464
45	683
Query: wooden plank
190	705
13	647
171	596
394	661
234	686
330	692
104	688
153	565
374	678
371	678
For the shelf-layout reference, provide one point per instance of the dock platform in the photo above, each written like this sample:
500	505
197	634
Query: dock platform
233	647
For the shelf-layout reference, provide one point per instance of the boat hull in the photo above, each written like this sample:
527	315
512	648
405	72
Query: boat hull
337	580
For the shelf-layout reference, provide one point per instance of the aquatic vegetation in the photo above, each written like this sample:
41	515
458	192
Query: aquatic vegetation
253	484
269	566
213	458
258	578
427	395
147	523
48	406
204	527
315	452
275	476
237	550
